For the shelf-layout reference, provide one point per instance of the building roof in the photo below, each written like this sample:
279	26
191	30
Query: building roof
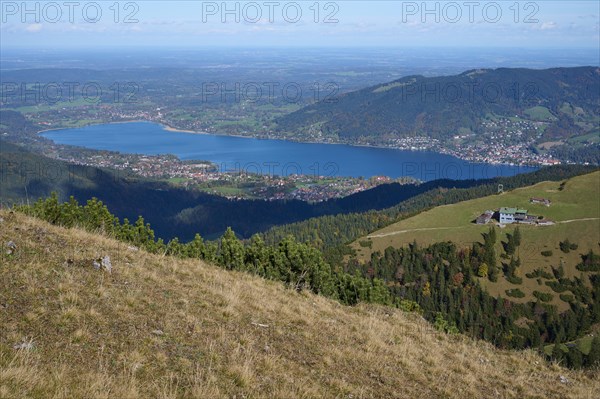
512	211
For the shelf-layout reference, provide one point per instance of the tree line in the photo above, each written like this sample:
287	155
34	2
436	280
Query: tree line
438	281
298	265
444	281
328	233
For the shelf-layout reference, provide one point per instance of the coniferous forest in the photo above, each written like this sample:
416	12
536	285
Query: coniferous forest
441	281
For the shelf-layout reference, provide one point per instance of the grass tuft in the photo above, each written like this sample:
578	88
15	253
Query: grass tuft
165	328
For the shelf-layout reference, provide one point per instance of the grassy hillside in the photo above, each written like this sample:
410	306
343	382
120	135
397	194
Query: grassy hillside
584	344
167	328
574	208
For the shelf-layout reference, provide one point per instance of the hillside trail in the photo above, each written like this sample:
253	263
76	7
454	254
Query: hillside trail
411	230
392	233
577	220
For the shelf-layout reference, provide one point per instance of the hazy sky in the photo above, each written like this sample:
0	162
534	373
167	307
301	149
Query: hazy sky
558	24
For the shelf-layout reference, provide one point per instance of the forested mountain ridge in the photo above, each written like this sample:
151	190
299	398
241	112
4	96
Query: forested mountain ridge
327	232
175	211
445	106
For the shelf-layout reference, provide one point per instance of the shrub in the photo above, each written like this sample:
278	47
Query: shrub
590	262
443	325
539	272
515	293
366	244
514	280
567	297
483	270
547	253
582	267
559	272
565	246
409	306
543	296
557	286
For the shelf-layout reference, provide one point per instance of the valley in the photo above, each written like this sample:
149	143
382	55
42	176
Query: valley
335	200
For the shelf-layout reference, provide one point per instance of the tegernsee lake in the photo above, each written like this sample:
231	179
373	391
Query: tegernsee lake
277	157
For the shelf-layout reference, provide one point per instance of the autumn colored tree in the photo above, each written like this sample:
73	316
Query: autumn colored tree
483	270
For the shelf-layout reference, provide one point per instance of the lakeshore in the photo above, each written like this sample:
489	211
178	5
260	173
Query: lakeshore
277	156
418	144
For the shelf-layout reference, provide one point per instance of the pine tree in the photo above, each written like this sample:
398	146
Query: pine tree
517	237
49	209
257	256
379	293
574	358
231	251
512	267
126	232
492	235
174	247
510	246
70	213
196	248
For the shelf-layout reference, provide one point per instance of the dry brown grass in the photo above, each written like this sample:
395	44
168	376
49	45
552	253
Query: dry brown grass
96	335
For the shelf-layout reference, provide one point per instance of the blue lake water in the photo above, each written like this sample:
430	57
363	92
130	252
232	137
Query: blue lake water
277	157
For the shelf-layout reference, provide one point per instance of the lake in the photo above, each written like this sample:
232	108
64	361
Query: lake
277	157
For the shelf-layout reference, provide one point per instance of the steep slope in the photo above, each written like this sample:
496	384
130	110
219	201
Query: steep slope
161	327
574	210
441	107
